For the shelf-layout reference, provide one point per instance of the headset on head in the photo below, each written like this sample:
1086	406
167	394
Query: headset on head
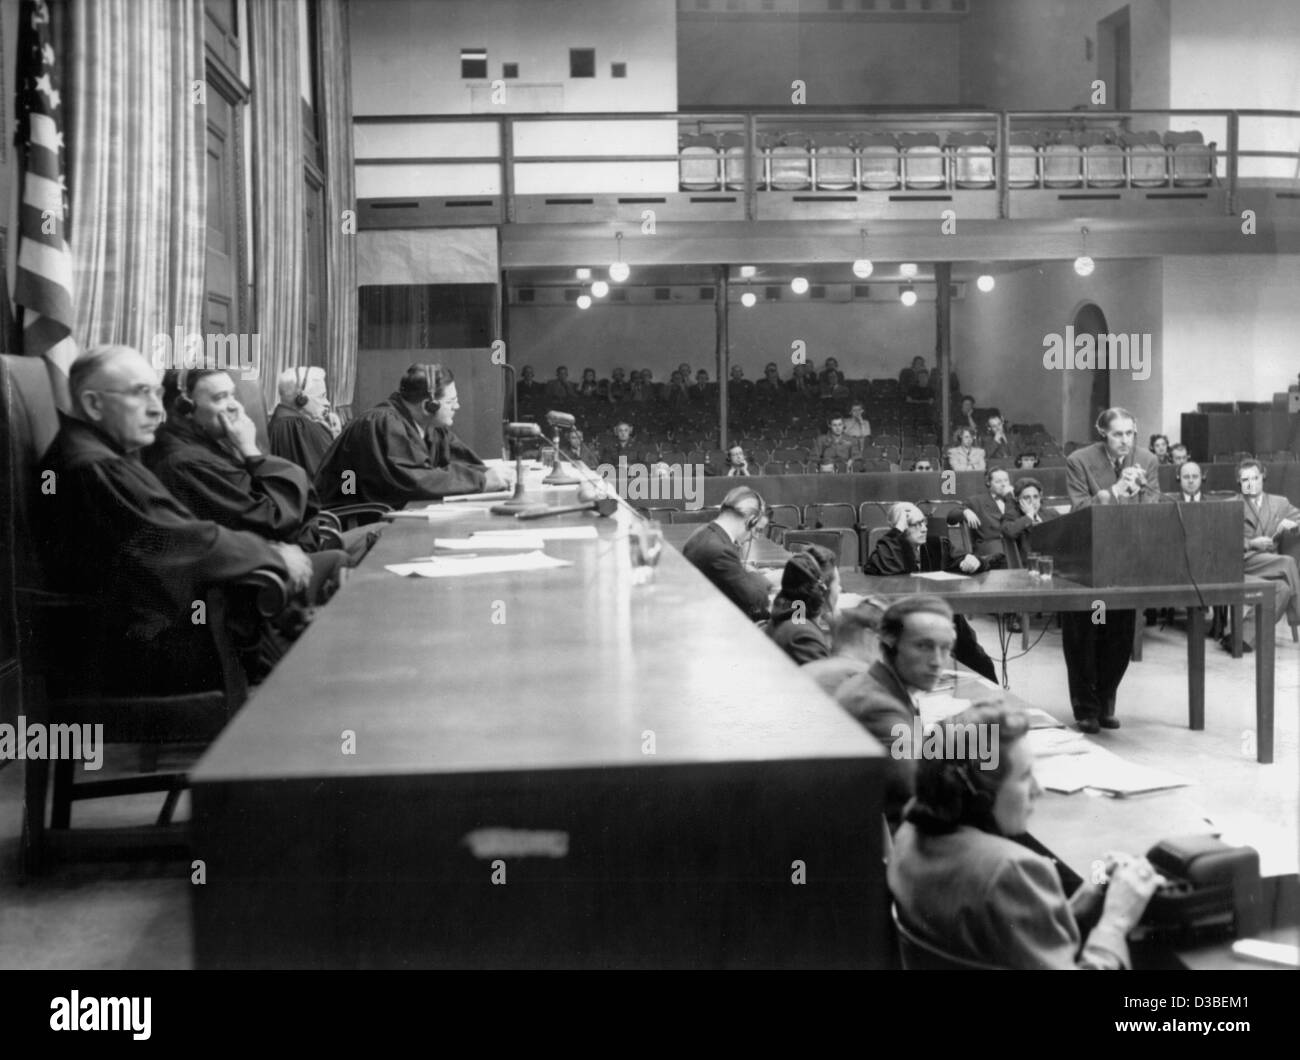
411	391
300	398
732	500
184	403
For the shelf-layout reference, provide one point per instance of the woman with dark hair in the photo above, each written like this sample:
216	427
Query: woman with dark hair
810	587
590	386
1160	449
964	884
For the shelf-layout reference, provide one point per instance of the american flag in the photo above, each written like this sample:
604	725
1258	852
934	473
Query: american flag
43	286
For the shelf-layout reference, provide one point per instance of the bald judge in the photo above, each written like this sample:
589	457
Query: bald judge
110	529
404	450
299	428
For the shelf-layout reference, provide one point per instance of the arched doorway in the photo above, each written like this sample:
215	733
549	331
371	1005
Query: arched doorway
1086	396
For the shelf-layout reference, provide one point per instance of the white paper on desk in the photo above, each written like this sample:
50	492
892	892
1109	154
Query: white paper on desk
1047	742
431	514
551	533
452	567
526	542
1040	719
477	498
939	576
1102	771
936	707
1277	850
1062	773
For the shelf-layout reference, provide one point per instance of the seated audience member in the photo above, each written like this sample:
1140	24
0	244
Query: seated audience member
112	531
678	392
702	389
963	456
1178	454
907	377
207	456
988	513
576	449
618	386
834	447
404	450
832	386
528	386
920	392
715	550
559	388
590	386
299	429
1160	449
908	548
619	446
1270	531
965	886
771	382
915	647
856	426
964	415
997	442
638	389
853	645
738	385
831	369
923	464
810	588
686	372
1027	461
1189	483
802	379
654	391
737	465
1028	493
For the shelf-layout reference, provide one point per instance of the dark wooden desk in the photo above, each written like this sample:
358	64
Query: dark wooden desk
1015	591
641	763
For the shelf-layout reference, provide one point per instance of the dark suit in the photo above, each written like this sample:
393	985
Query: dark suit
989	537
986	898
893	556
879	701
295	436
1097	656
796	634
717	557
1016	531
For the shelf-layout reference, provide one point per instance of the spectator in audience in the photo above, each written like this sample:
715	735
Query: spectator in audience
528	385
738	386
685	369
715	549
907	377
964	415
619	446
1272	522
802	379
679	393
834	447
577	449
299	430
908	548
915	644
737	465
988	514
404	450
559	388
637	388
1029	499
856	426
589	387
962	882
831	387
771	383
923	464
1189	483
831	366
1160	449
810	588
853	645
1027	461
920	393
702	389
1178	454
963	456
997	441
619	390
654	391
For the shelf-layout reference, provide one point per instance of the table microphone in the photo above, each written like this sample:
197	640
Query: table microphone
518	433
559	476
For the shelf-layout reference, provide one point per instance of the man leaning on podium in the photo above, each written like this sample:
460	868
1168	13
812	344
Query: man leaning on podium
1112	471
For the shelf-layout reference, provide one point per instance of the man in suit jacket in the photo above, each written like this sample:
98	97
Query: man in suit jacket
1028	493
988	514
737	464
997	443
1112	471
907	549
715	550
916	638
1270	528
1189	483
853	645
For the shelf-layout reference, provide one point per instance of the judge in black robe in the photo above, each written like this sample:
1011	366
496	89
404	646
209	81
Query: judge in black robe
298	429
403	450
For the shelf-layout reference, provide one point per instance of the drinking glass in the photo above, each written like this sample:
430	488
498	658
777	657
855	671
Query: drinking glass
1045	568
647	542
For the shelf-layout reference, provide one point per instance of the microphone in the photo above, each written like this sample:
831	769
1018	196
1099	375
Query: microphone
518	433
523	430
602	506
558	476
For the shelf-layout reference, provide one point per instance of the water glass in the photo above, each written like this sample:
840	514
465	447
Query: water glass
1045	568
646	539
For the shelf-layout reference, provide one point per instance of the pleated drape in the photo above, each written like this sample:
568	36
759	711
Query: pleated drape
137	169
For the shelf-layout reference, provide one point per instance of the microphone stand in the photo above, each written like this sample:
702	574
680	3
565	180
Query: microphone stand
559	476
518	502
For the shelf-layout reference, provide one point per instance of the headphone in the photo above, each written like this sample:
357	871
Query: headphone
808	563
300	399
184	403
739	496
420	383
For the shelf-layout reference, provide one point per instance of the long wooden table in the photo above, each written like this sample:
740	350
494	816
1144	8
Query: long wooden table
556	768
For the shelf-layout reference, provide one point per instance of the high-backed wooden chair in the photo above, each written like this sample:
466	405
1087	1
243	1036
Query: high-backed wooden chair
57	631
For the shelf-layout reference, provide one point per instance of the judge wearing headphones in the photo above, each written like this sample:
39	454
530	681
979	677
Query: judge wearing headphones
810	588
715	549
1111	471
403	449
299	428
965	886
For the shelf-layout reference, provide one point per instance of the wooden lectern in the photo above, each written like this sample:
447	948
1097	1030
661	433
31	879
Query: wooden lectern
1146	544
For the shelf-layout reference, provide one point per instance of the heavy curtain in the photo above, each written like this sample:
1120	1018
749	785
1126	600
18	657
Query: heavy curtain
279	197
340	197
136	169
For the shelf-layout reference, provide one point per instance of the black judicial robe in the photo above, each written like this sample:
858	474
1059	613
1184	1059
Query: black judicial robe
111	530
297	437
394	463
266	495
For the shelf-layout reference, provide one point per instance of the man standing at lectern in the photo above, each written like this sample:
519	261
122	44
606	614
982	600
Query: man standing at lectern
1112	471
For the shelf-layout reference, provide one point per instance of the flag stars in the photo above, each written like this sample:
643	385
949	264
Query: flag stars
47	54
44	86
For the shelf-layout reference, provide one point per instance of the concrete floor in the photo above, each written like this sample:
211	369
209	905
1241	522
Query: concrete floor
112	915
